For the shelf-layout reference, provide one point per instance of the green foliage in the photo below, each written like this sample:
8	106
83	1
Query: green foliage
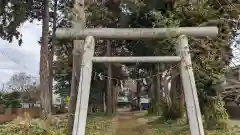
96	16
14	13
67	99
11	100
171	112
31	127
209	55
98	126
2	98
215	114
179	127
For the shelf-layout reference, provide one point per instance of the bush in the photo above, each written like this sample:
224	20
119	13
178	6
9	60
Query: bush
215	114
10	100
173	111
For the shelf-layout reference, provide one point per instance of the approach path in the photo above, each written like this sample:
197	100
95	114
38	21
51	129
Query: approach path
129	123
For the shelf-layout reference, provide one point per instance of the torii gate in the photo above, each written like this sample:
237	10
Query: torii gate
182	49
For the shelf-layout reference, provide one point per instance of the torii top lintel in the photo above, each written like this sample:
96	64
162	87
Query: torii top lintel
135	33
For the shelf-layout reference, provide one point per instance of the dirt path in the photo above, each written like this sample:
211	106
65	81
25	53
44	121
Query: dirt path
127	123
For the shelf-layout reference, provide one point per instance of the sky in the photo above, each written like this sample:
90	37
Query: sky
25	58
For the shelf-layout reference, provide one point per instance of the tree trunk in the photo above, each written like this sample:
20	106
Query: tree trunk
138	94
79	23
44	84
115	95
90	108
158	88
166	81
52	51
62	107
104	102
175	99
113	99
180	97
152	108
109	84
177	106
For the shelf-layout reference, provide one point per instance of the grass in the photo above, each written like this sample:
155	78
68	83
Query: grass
180	127
96	125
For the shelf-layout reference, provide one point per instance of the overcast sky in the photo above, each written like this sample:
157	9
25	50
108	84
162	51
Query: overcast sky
15	59
25	58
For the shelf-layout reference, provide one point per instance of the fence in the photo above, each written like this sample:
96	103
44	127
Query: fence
12	113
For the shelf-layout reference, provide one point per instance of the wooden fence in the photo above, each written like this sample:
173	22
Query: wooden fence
12	113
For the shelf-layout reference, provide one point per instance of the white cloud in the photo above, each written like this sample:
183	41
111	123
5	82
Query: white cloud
25	58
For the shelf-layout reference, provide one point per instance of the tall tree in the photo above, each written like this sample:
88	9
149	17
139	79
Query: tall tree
109	83
21	82
44	67
209	56
52	48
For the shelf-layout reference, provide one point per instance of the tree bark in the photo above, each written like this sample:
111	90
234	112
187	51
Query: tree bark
114	95
138	94
52	49
158	88
109	84
176	97
104	102
77	61
44	79
62	107
153	100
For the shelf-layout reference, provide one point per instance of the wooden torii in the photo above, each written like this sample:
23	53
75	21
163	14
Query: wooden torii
182	49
